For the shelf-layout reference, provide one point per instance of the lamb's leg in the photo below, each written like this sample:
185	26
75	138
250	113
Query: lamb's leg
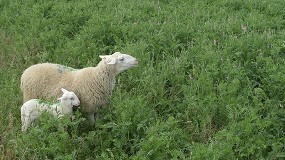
23	123
24	128
23	119
26	124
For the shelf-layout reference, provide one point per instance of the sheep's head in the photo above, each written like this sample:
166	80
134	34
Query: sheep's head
120	61
69	98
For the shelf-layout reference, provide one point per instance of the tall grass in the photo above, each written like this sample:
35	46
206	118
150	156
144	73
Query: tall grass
209	84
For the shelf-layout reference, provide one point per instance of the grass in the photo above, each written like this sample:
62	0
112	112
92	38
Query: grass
209	84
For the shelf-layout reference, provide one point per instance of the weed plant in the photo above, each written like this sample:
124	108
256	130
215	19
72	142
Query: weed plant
209	85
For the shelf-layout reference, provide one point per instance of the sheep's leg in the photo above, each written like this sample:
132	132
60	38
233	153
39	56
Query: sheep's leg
96	116
24	128
91	118
26	123
23	120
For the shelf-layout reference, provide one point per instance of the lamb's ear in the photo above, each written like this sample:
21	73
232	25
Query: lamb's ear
62	98
64	90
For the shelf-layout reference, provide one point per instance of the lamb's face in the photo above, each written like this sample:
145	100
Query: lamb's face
69	98
73	99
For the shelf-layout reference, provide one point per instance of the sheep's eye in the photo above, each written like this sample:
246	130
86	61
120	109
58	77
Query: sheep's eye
72	98
121	58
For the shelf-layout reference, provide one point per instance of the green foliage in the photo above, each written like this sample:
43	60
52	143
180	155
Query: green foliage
209	84
52	138
164	140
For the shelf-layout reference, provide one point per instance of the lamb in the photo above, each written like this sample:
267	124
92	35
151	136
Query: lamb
92	85
33	108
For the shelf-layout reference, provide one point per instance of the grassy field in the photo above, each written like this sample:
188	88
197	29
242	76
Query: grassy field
209	85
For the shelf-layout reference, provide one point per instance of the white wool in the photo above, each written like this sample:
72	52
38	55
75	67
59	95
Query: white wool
92	85
33	108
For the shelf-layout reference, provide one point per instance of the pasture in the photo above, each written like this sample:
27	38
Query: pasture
209	84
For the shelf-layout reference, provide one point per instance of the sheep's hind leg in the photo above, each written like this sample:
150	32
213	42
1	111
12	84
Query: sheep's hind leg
24	128
96	115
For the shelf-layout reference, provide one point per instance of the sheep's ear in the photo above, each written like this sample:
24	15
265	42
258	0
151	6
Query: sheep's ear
103	56
108	59
60	98
64	90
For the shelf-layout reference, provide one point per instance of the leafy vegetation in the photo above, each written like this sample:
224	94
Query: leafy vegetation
209	84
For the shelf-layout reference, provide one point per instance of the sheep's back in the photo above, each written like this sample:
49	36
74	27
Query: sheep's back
92	85
43	81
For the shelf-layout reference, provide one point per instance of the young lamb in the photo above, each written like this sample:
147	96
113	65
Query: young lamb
92	85
33	108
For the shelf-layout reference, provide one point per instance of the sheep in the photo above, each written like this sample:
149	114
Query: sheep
92	85
33	108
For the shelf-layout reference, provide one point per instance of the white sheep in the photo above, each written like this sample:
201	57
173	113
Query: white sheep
92	85
33	108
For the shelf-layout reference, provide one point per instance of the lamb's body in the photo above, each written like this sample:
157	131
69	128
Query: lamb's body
33	108
92	85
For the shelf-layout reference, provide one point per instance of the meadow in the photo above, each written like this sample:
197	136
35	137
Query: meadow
209	85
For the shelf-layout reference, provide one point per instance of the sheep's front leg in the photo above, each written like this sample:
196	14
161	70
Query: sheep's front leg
91	118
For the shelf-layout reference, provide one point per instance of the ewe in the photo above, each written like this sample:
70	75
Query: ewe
92	85
33	108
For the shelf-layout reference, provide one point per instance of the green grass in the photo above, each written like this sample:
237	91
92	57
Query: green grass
209	85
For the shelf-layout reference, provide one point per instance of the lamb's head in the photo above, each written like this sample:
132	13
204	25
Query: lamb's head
69	98
120	61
